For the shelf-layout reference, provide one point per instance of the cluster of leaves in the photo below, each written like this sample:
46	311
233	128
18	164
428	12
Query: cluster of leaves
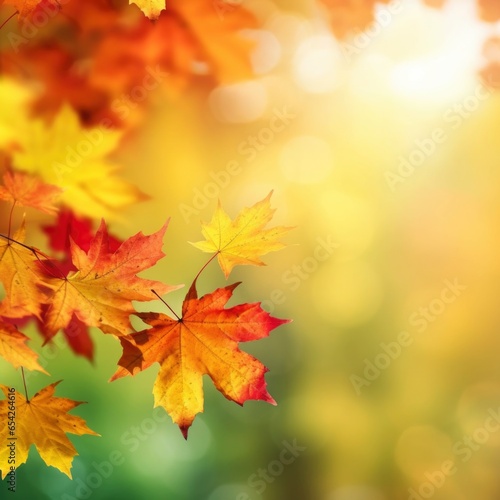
94	283
73	78
93	54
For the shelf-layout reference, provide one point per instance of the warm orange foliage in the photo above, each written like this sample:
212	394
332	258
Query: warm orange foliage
203	341
75	78
29	191
101	291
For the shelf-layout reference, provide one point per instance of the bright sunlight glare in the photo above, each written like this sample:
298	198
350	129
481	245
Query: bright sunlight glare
449	68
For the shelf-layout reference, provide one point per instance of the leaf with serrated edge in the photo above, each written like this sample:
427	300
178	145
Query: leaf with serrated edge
13	348
244	240
44	422
101	291
150	8
204	341
20	277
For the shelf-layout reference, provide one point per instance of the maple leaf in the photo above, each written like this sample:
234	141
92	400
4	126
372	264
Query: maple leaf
204	341
29	191
14	349
26	8
66	155
42	421
76	332
19	276
101	291
78	337
151	8
244	240
67	227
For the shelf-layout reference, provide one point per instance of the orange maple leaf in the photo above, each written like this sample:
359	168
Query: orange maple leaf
14	349
244	240
42	421
101	291
204	341
29	191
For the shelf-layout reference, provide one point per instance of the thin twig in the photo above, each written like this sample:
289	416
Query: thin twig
10	217
37	253
203	268
8	19
173	312
24	382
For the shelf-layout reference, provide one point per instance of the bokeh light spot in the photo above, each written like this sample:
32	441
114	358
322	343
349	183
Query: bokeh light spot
306	160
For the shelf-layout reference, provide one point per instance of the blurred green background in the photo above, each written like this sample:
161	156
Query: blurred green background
387	380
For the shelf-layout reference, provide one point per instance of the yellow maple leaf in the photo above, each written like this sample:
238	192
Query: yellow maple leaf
244	240
18	274
74	158
151	8
42	421
14	349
